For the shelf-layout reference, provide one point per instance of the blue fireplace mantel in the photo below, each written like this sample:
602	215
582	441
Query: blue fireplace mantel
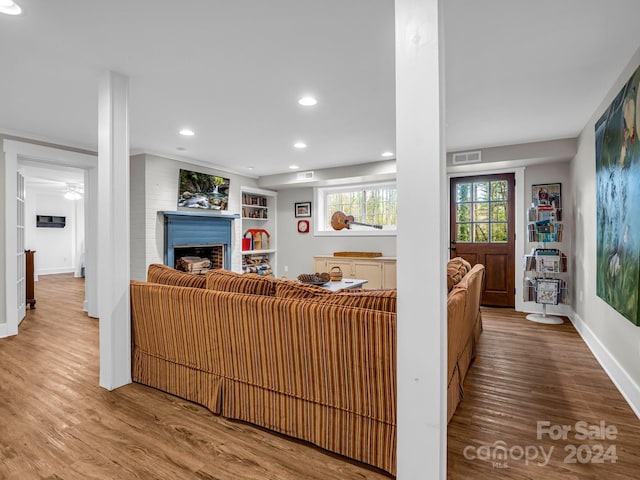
195	228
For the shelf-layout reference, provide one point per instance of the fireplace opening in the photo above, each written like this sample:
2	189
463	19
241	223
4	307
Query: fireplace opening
199	258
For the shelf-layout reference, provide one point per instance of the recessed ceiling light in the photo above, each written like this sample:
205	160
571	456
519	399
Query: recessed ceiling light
249	168
300	145
9	7
294	167
307	101
187	132
387	154
182	149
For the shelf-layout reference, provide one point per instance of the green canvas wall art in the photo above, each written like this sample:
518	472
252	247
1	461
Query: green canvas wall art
618	202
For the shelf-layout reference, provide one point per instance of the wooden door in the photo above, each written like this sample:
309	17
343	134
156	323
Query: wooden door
483	231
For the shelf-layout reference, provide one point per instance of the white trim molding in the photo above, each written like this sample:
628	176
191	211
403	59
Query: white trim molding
629	389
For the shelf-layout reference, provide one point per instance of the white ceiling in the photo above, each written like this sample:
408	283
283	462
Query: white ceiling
232	70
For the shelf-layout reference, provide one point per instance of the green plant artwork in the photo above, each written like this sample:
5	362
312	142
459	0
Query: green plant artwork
617	202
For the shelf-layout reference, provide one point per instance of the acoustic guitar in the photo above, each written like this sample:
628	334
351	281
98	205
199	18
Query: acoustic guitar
340	220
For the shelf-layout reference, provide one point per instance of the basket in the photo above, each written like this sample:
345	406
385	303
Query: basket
335	273
314	278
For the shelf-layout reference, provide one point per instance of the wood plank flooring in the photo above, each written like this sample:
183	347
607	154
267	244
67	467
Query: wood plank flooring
56	423
527	372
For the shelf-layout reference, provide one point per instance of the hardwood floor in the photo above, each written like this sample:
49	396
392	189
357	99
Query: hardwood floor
56	423
527	372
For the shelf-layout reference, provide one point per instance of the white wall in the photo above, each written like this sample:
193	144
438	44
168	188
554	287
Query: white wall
56	248
614	339
159	176
296	250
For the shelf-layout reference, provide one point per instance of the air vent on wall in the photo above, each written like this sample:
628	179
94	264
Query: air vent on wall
467	157
302	176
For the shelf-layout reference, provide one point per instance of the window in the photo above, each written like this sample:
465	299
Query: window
481	212
373	204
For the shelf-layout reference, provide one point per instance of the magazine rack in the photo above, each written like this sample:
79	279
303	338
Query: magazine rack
545	287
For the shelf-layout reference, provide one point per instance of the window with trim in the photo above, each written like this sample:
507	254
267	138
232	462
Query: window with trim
374	204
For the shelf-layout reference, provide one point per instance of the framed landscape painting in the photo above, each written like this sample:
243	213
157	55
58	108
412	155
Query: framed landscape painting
617	195
203	191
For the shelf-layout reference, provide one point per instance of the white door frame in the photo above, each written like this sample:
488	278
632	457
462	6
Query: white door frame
13	151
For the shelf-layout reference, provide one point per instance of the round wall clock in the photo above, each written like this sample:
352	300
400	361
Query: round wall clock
303	226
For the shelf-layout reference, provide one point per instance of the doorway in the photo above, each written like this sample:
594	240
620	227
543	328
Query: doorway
482	230
15	152
56	192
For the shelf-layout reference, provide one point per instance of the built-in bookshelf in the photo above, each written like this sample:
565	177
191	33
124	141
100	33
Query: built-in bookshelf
259	230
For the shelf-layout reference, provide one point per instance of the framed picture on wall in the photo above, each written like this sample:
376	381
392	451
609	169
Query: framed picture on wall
547	194
303	209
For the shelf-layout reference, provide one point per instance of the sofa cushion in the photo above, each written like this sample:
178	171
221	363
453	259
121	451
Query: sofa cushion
456	269
227	281
294	289
382	300
158	273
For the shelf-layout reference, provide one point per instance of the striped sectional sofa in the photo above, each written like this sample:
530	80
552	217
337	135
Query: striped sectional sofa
464	319
293	358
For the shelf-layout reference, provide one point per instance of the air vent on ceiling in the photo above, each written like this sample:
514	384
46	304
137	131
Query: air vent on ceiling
305	176
467	157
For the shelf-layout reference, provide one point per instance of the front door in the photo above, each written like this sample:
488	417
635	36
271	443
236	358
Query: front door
483	231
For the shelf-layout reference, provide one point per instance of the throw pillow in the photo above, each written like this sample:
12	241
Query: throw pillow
158	273
384	300
227	281
456	269
293	289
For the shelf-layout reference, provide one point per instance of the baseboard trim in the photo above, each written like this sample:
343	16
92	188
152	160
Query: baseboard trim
629	389
3	330
56	270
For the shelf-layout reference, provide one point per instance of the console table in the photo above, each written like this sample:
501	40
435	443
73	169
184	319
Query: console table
380	272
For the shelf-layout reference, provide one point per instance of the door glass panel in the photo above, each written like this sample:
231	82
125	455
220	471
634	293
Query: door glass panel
481	191
499	232
480	232
463	192
482	211
498	212
463	232
463	213
499	190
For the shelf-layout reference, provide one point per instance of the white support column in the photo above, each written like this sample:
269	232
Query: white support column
422	312
113	231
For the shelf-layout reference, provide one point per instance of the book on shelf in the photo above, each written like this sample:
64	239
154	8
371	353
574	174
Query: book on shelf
547	290
546	251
